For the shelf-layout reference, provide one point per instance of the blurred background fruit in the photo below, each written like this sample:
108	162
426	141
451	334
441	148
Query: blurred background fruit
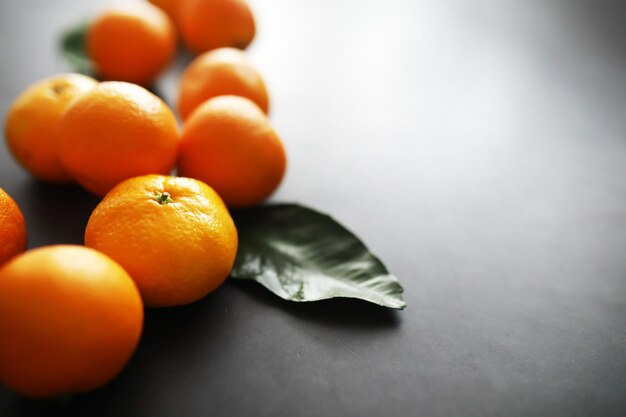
12	228
224	71
210	24
173	235
70	319
229	143
116	131
131	42
170	7
32	124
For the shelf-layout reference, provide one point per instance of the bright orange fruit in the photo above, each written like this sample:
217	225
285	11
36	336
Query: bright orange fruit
229	143
70	319
32	124
12	228
173	235
168	6
224	71
131	42
210	24
116	131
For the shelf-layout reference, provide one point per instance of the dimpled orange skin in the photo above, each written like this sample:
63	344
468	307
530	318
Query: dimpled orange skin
12	228
117	131
210	24
177	249
31	127
70	319
228	143
131	42
224	71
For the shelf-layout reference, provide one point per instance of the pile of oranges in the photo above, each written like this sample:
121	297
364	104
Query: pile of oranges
71	316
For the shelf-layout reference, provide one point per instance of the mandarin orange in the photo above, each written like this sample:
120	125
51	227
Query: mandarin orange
32	124
224	71
210	24
70	319
131	42
174	236
229	143
116	131
12	228
168	6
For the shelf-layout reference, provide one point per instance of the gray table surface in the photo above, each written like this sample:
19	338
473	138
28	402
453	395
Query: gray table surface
479	148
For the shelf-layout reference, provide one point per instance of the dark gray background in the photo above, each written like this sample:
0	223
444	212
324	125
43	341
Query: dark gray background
478	147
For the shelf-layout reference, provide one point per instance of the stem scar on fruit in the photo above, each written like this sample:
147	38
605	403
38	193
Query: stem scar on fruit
59	88
163	198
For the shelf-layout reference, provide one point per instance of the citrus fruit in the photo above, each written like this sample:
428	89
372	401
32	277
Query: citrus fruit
228	143
12	228
116	131
224	71
170	7
210	24
173	235
31	127
70	319
131	42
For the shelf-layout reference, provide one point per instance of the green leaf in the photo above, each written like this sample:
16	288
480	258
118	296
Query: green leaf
303	255
74	49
